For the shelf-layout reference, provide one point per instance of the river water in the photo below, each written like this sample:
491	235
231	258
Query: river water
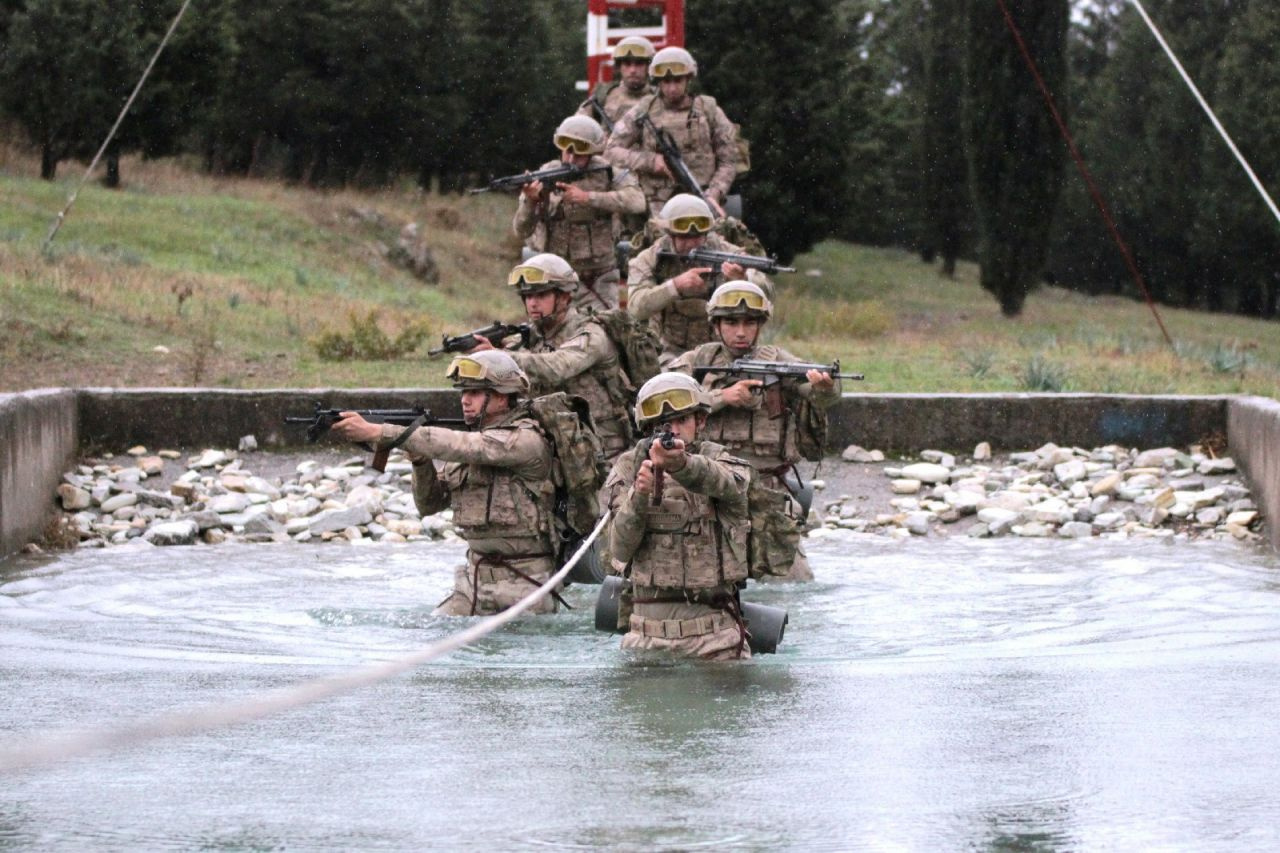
929	695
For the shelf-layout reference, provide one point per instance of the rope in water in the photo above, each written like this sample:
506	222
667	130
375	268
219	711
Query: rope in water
29	752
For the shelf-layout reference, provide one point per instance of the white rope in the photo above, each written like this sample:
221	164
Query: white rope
60	746
62	215
1222	131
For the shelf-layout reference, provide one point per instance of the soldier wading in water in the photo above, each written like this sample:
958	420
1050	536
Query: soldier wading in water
685	553
497	479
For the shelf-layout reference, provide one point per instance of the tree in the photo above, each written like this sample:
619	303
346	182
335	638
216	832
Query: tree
944	170
1016	158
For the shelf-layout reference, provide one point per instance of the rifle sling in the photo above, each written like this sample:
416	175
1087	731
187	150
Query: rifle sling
380	455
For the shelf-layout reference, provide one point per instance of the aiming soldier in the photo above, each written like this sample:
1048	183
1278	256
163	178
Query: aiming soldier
577	221
497	478
679	528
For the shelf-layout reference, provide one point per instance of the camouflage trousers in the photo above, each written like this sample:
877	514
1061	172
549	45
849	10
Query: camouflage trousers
686	629
599	290
494	587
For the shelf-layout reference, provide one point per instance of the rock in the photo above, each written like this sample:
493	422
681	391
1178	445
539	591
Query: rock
262	525
230	503
1051	511
964	503
337	520
208	459
1032	529
1069	472
1155	458
998	520
185	491
917	523
1225	465
234	482
1075	530
982	451
214	536
151	465
1210	516
169	454
119	501
927	472
258	485
904	486
367	497
413	254
1243	519
854	453
248	443
137	450
172	533
1151	515
73	498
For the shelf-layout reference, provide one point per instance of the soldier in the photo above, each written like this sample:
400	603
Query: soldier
630	82
672	296
708	141
570	351
497	479
767	440
685	556
577	220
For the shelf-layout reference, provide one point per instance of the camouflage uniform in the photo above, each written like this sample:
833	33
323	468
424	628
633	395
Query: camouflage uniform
498	481
767	444
708	143
618	101
583	234
680	321
685	557
578	357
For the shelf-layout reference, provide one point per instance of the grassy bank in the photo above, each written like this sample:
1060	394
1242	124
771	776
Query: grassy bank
184	279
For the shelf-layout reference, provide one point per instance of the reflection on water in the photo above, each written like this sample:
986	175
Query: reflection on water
930	695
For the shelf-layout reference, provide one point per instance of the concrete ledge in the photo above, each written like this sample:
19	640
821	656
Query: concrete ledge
38	443
904	422
1253	433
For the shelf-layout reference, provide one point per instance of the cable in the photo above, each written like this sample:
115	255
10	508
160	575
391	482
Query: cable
1222	131
1083	169
62	215
62	745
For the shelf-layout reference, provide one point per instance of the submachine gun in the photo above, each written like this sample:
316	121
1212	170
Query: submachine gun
495	333
568	173
320	421
771	374
667	439
703	257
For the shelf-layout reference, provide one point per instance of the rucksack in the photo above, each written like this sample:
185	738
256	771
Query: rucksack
637	344
578	471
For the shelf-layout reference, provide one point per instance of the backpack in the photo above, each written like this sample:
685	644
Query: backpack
637	344
775	534
578	471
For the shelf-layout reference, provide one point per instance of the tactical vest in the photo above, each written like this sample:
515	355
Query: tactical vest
687	545
603	387
618	101
749	432
492	503
579	233
683	324
691	130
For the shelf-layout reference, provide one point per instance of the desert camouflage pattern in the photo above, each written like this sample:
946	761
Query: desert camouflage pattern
618	101
583	234
679	321
578	357
498	482
691	549
708	142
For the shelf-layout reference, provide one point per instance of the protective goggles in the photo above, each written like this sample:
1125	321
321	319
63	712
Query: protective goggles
527	275
631	51
466	368
735	298
577	146
670	69
675	400
690	224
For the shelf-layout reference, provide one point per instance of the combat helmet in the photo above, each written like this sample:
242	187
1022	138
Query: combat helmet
667	396
491	369
542	273
633	48
672	62
580	134
685	213
739	299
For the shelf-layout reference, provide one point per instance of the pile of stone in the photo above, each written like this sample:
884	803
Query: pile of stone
1067	492
218	499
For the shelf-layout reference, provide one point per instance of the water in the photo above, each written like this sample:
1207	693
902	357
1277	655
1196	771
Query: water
929	695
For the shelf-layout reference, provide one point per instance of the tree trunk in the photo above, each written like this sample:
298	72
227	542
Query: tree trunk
112	179
48	162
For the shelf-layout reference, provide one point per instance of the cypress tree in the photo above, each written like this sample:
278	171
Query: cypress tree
1015	154
943	169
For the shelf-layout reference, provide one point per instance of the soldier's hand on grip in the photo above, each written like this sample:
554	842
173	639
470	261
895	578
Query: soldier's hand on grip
744	394
691	281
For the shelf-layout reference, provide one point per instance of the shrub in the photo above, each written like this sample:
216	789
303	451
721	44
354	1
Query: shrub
367	342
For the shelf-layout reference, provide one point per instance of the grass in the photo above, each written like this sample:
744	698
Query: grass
237	278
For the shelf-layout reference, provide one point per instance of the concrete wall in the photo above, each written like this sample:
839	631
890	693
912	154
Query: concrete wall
1253	433
38	443
902	422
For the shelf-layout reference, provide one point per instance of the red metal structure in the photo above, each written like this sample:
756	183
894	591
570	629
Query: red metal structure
601	37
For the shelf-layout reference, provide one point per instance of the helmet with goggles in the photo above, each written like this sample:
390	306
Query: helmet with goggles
580	134
633	49
739	299
672	62
686	214
541	273
490	369
668	396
